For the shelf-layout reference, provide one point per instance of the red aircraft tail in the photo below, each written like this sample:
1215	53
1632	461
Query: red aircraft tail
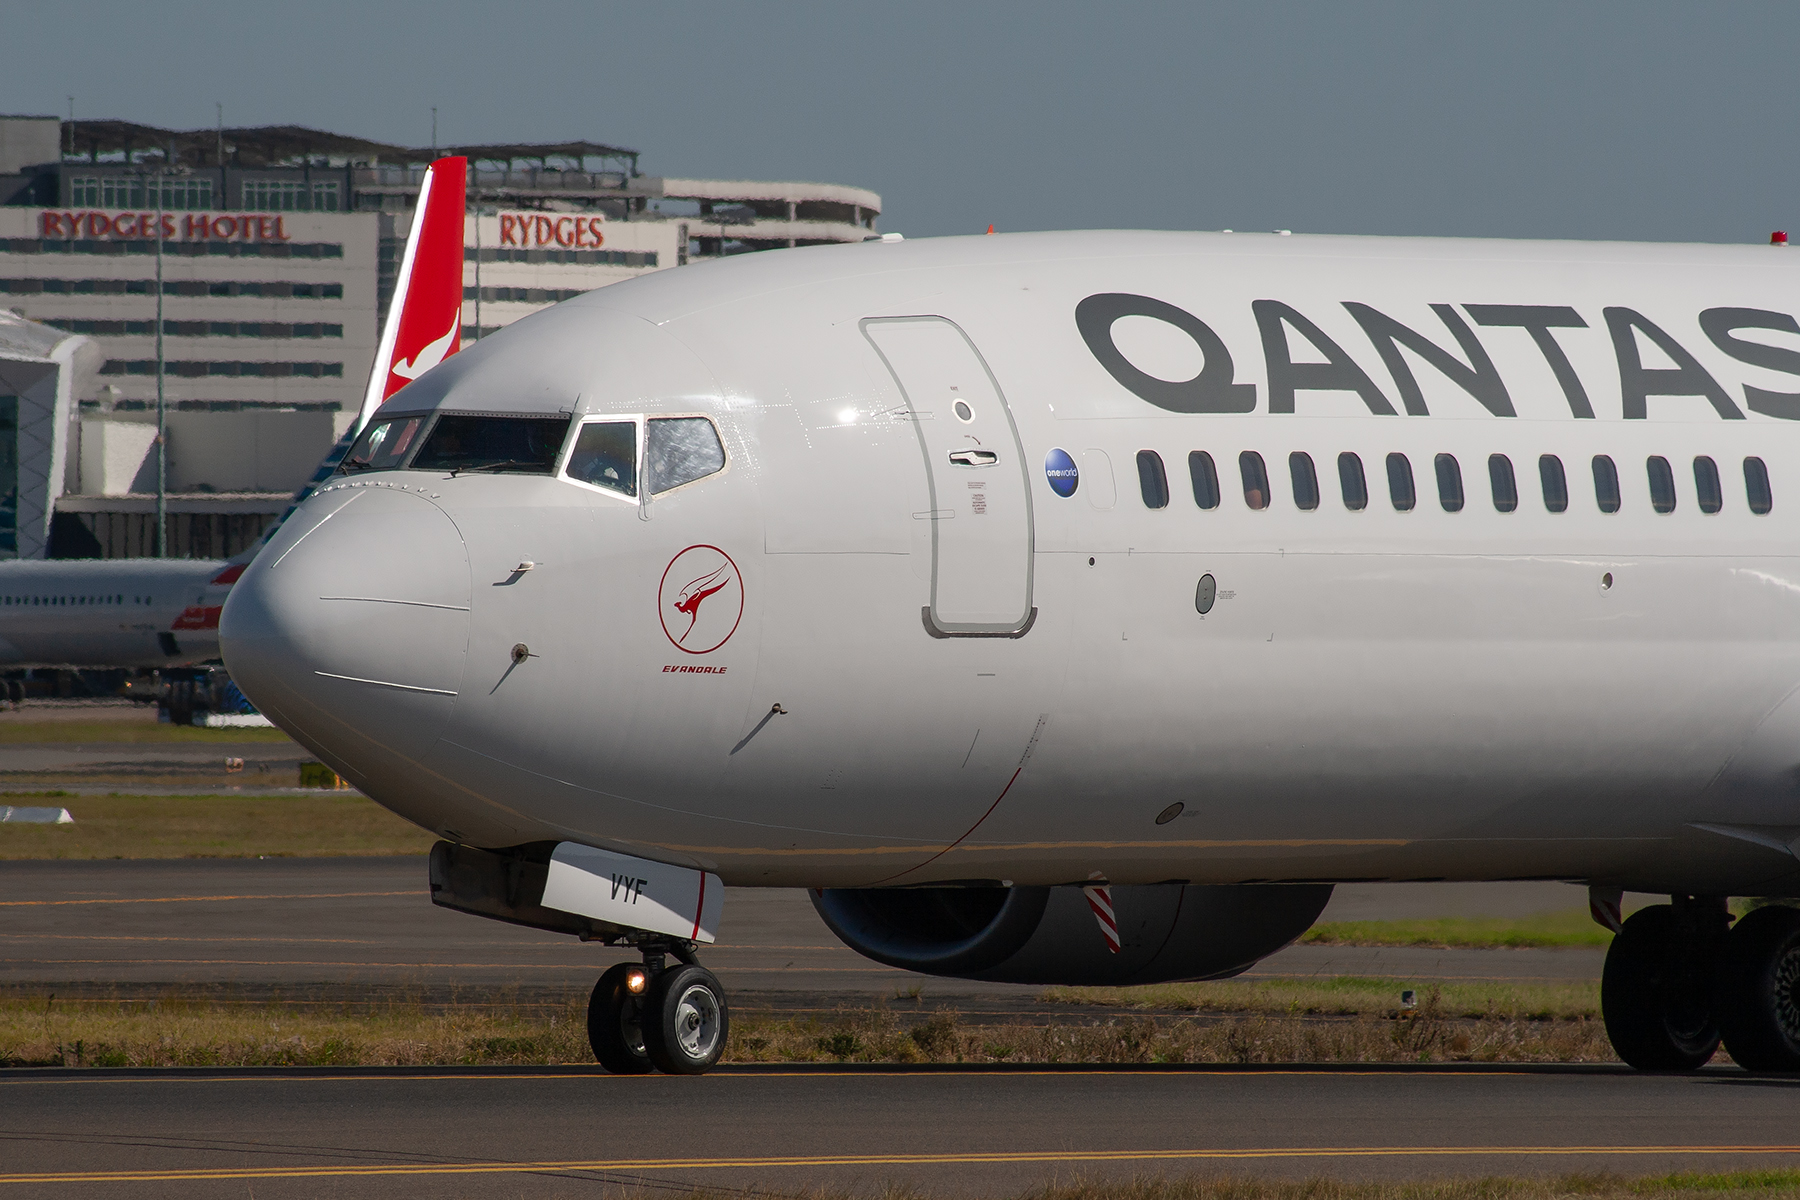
424	318
424	321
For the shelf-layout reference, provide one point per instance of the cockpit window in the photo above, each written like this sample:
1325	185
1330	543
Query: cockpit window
605	455
507	445
383	446
679	450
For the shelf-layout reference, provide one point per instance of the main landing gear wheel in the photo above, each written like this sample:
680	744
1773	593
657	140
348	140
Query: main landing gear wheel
615	1020
1759	990
685	1021
1655	993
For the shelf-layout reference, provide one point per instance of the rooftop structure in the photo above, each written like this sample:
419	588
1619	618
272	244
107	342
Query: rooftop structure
278	251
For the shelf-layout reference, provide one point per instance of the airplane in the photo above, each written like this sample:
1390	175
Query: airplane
1079	608
164	612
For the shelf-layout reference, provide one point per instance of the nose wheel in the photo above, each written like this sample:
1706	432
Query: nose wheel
615	1020
644	1018
686	1021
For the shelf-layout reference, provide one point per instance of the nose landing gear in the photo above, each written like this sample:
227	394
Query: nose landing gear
651	1017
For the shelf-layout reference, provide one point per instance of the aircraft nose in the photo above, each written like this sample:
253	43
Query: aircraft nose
350	628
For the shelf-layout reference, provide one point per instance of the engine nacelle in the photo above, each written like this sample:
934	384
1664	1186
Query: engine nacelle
1048	935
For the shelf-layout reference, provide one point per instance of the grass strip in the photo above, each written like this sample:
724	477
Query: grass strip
1772	1184
176	1032
1760	1185
22	731
1350	996
200	826
1569	928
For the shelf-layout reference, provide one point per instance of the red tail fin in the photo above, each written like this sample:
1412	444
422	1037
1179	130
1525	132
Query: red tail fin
424	318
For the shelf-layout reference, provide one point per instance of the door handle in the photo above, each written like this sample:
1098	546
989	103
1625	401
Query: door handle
974	458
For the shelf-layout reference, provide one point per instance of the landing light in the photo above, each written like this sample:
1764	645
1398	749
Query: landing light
847	417
636	982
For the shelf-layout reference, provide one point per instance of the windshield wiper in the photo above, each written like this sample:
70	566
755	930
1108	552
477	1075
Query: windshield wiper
542	467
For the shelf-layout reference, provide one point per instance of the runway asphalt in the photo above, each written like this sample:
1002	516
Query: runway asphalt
366	926
951	1132
350	922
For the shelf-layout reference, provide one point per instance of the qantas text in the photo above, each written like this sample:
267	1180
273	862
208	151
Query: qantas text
1215	389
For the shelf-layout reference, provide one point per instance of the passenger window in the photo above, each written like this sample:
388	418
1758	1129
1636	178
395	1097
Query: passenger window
1204	478
1351	480
1153	481
1662	483
1400	483
1256	479
383	446
1555	483
1449	479
1500	479
1305	481
1707	492
1606	484
605	455
1756	486
679	450
504	445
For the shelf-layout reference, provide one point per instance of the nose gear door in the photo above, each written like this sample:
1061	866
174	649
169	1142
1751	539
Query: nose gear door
981	531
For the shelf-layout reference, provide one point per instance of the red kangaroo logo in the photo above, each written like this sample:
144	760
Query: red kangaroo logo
689	598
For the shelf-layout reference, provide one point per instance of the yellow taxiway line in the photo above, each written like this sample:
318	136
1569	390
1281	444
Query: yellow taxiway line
201	899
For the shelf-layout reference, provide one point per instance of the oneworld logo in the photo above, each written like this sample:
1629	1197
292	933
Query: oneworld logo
1061	471
701	599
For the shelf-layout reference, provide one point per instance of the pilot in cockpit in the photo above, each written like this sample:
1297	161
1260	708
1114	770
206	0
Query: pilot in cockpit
605	455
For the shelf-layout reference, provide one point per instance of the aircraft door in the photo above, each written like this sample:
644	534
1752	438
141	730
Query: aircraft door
980	495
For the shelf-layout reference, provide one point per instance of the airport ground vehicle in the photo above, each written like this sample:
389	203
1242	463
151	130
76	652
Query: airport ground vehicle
980	585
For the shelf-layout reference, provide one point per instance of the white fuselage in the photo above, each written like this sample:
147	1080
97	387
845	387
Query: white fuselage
110	612
943	669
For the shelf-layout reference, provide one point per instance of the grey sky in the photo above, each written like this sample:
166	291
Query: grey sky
1646	120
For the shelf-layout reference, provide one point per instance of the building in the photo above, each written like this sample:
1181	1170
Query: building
42	371
274	252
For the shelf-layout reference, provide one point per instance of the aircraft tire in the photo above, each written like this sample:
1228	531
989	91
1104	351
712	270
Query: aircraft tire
1656	1018
615	1023
686	1021
1759	990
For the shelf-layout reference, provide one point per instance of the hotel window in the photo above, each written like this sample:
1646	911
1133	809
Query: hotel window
290	195
139	192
